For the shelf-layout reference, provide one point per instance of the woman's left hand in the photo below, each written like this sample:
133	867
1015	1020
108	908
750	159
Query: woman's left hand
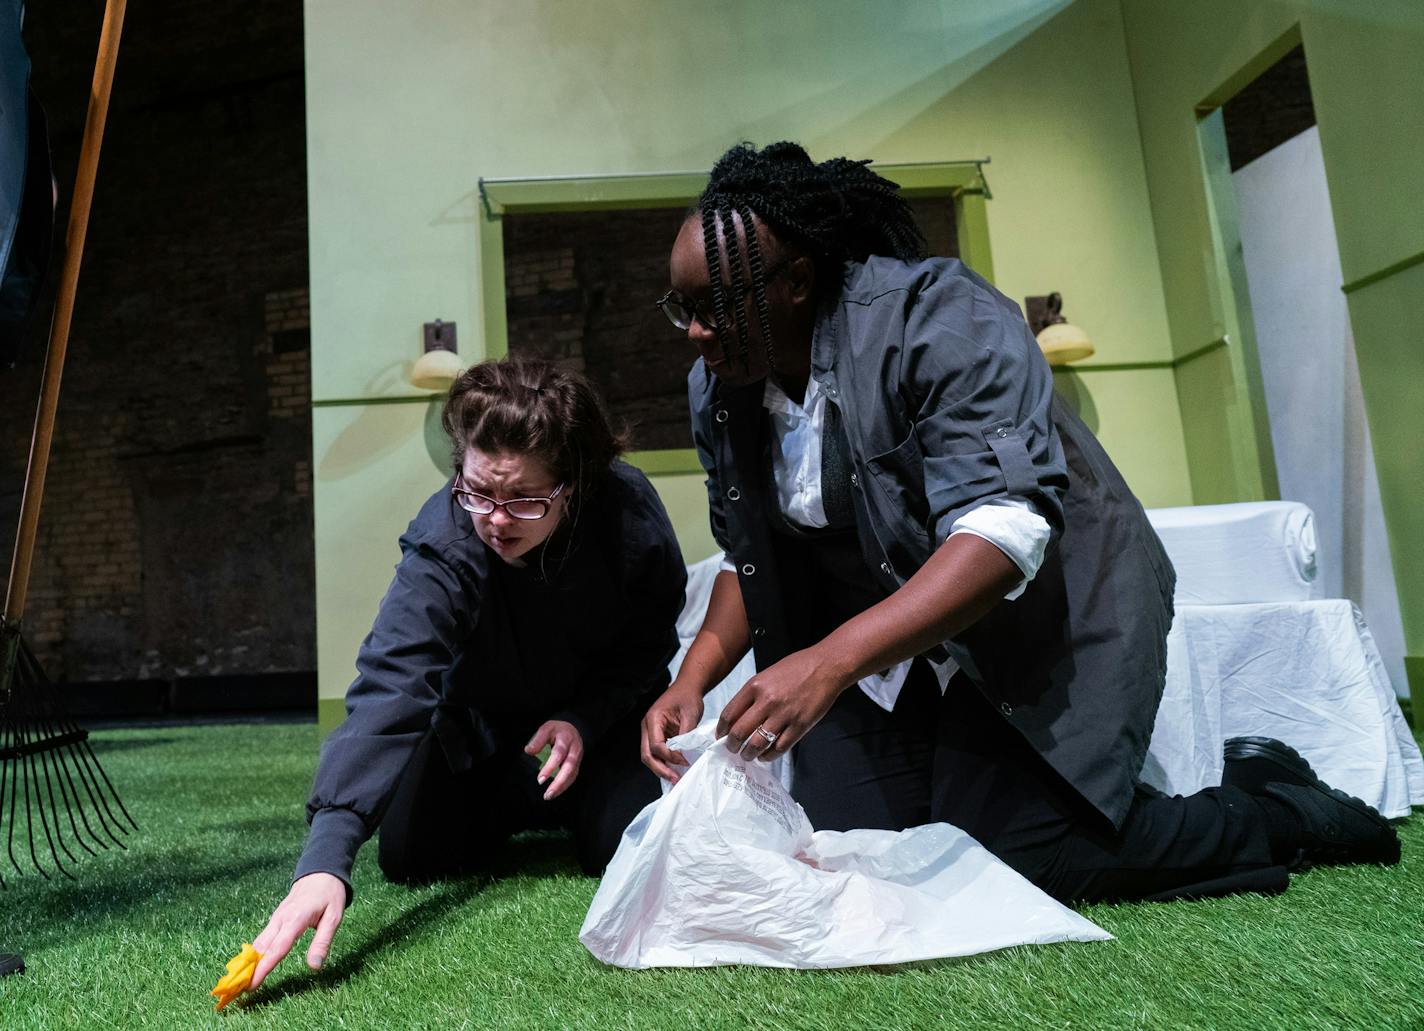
565	754
784	700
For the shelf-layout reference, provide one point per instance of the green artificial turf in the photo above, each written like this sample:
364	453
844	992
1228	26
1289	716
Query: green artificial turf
143	935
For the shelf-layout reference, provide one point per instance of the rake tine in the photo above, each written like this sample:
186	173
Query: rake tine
112	793
44	823
50	762
67	785
67	789
96	799
14	790
35	784
35	798
30	817
4	780
85	753
44	787
51	815
86	763
41	786
20	787
22	781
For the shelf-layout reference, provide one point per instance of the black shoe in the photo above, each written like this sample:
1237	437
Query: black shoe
11	964
1335	827
1254	762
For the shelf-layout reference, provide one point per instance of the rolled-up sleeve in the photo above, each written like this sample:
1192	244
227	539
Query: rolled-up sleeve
1012	526
984	394
425	613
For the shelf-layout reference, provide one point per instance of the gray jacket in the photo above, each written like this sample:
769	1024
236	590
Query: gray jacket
947	403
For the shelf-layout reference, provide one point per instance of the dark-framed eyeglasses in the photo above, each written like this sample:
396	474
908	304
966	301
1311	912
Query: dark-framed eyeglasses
515	508
681	310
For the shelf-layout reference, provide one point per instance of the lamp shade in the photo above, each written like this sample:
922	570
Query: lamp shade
1063	342
436	369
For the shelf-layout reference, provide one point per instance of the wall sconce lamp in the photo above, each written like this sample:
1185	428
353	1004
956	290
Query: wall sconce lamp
1060	340
439	366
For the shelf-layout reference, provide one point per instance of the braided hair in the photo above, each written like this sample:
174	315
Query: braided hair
835	211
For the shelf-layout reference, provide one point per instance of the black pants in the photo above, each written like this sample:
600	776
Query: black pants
955	760
442	823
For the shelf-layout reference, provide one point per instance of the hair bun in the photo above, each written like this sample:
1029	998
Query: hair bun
836	210
786	152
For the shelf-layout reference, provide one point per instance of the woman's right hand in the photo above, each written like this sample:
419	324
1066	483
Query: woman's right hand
316	900
677	710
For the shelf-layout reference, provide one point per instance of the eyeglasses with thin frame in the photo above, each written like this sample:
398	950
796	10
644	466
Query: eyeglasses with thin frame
515	508
681	310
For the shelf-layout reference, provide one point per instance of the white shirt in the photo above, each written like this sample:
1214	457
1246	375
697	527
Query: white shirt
1011	524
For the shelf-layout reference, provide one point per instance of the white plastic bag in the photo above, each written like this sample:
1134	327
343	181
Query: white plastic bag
725	868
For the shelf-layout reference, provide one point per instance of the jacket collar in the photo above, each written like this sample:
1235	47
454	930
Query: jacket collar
828	327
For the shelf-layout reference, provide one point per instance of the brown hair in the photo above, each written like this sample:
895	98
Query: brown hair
531	406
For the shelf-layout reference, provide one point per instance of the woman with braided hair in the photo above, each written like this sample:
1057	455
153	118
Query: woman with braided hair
906	506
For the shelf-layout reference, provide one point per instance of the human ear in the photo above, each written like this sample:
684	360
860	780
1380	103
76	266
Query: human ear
801	279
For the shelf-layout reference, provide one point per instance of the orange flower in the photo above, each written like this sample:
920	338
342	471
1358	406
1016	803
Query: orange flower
239	975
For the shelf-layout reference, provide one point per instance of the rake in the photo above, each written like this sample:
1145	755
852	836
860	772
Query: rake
53	792
47	768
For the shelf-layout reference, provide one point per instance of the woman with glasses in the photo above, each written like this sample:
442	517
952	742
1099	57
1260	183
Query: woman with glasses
533	608
958	609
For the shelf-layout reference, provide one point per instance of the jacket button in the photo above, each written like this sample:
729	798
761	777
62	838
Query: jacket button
854	480
759	632
1002	432
733	494
721	416
748	569
1006	708
885	568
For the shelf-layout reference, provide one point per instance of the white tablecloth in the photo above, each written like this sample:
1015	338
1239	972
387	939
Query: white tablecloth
1307	673
1238	554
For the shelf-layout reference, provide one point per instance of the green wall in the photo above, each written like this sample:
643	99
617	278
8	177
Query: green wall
1367	83
409	105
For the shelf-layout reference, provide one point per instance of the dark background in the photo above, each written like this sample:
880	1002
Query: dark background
176	534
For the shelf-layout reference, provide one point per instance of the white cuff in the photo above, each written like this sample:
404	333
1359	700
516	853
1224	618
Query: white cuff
1013	526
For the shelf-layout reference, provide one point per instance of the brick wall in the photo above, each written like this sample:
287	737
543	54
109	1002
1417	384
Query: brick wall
1271	109
580	289
176	535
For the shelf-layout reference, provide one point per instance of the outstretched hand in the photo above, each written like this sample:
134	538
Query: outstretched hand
316	900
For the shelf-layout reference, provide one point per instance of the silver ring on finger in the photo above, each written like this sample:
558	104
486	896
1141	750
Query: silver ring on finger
752	747
767	735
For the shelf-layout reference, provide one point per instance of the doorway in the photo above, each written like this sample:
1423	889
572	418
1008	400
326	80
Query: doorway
1304	343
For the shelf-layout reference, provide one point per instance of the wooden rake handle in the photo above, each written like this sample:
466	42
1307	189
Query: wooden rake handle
64	309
